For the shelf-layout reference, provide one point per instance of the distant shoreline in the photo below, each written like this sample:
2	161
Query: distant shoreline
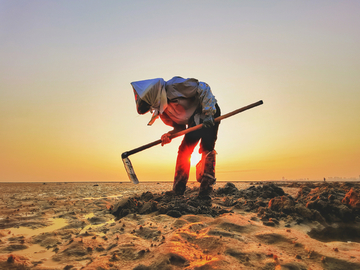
147	182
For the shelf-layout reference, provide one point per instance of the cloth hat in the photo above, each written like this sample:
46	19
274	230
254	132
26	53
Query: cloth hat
152	92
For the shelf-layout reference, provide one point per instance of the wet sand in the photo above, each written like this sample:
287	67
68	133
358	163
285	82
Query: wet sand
125	226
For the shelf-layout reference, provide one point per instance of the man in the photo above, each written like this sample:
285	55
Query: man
182	103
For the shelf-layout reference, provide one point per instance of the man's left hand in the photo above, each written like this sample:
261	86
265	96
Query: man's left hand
208	121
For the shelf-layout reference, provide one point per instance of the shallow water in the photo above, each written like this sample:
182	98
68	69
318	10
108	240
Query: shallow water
58	223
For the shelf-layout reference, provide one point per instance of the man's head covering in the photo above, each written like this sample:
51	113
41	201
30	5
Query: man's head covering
153	93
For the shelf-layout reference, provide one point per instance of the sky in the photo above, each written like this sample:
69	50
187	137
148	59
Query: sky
67	109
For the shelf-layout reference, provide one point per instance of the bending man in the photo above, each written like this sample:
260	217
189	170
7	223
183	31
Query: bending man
182	103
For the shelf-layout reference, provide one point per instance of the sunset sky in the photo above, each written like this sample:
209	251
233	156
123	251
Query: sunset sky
67	109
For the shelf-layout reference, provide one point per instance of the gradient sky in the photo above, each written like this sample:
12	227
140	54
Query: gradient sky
67	110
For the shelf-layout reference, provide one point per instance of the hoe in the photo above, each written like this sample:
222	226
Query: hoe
125	156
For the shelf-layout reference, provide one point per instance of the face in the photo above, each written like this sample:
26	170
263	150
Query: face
142	106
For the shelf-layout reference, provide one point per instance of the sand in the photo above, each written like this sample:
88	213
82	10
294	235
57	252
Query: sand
125	226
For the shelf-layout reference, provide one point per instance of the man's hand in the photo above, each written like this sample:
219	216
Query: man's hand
208	121
165	139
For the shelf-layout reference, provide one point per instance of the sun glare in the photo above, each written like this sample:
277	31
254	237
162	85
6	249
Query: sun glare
195	158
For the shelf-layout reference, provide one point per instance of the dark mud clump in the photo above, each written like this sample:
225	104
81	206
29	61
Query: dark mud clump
167	203
336	202
337	232
327	203
166	262
334	205
266	191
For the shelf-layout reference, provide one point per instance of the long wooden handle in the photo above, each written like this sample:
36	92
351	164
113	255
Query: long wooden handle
185	131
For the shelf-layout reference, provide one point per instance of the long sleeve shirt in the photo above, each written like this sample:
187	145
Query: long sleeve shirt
187	98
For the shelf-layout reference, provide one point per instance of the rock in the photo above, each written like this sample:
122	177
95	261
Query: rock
228	189
15	247
271	190
318	217
344	212
174	213
303	192
11	259
352	199
146	196
228	201
274	220
125	207
269	223
281	204
148	207
303	211
299	220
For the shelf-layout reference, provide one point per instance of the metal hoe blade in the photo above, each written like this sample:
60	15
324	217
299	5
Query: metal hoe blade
130	170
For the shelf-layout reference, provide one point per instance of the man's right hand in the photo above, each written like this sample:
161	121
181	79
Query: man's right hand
165	139
208	121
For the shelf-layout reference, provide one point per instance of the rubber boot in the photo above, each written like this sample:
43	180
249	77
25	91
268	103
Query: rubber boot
208	178
181	174
180	181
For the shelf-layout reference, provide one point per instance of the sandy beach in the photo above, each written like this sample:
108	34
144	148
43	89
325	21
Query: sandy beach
245	225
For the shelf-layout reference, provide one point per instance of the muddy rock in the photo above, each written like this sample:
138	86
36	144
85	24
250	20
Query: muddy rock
334	202
267	191
170	261
269	223
124	207
318	217
303	211
146	196
271	190
336	232
282	204
352	199
75	250
343	212
167	203
228	189
148	207
303	192
14	247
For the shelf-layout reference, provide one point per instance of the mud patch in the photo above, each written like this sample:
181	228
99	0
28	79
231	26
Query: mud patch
167	203
272	238
293	266
15	247
231	227
220	233
166	262
336	264
337	232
